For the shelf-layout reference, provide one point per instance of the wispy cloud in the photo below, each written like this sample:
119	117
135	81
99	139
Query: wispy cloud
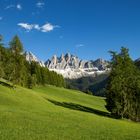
79	45
44	28
18	7
48	27
40	4
9	6
26	26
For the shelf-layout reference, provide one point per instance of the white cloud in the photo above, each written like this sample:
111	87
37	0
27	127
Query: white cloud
1	18
26	26
44	28
19	7
36	26
47	27
40	4
9	6
79	45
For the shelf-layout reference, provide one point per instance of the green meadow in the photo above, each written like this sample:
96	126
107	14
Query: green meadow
50	113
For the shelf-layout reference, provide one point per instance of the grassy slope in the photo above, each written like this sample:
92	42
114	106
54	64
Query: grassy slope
49	113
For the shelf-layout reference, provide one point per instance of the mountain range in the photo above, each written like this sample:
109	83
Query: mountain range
87	76
72	67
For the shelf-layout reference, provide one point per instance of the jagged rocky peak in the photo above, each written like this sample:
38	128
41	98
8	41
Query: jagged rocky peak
63	62
52	63
62	58
100	61
54	60
71	61
101	64
30	57
67	57
70	66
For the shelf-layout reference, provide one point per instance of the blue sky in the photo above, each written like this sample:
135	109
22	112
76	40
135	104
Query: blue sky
86	28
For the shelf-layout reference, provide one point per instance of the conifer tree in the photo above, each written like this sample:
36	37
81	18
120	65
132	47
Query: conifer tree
123	89
17	64
15	68
2	52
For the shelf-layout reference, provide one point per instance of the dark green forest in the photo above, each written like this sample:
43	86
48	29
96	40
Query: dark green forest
15	68
90	85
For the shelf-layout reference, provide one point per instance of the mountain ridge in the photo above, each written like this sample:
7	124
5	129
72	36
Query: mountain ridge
71	66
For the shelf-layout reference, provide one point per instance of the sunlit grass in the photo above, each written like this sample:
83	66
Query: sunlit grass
50	113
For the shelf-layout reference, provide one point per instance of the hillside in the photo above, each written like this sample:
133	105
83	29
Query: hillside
56	113
96	85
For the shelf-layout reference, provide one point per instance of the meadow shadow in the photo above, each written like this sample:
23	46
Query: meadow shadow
6	84
82	108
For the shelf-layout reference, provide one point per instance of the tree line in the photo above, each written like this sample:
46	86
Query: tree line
15	68
123	87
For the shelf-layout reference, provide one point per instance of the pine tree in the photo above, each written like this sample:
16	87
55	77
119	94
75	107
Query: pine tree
16	46
15	68
17	61
1	71
123	89
2	52
32	81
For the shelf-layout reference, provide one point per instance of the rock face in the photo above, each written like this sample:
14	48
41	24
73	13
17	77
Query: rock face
30	57
72	67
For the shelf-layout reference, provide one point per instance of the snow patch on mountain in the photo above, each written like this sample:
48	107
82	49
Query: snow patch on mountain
70	66
30	57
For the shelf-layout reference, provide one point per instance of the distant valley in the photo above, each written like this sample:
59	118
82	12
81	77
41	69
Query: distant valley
88	76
